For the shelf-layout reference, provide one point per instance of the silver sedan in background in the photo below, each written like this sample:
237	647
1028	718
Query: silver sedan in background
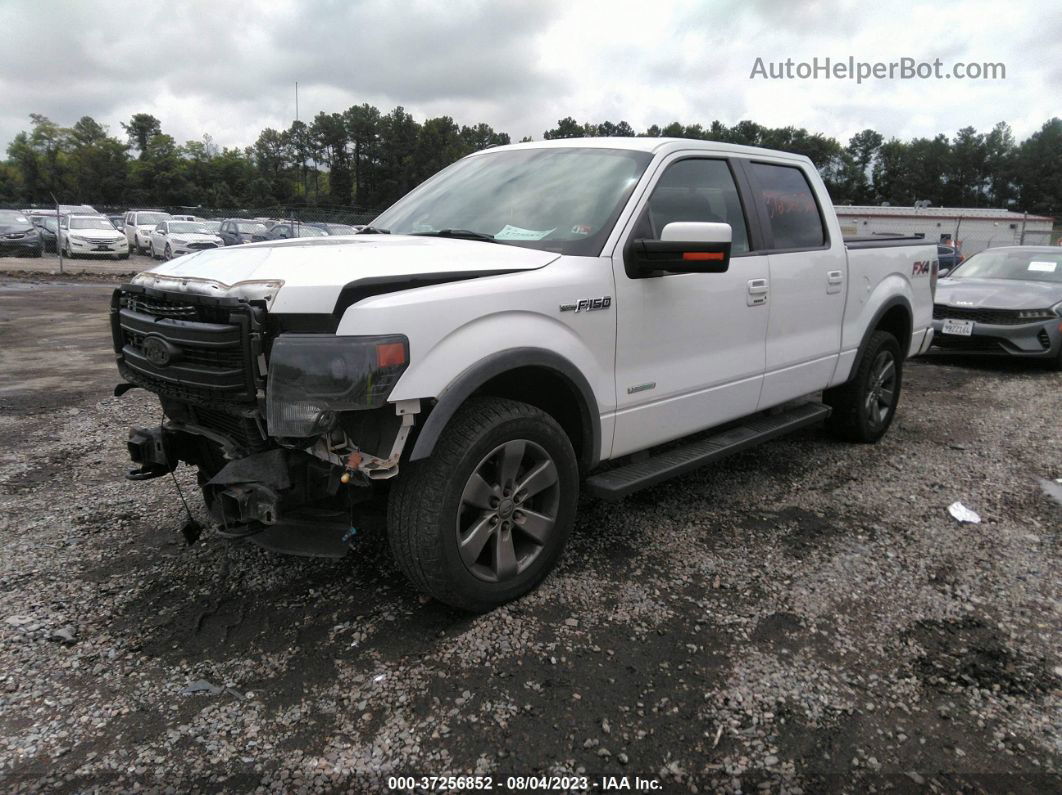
1003	301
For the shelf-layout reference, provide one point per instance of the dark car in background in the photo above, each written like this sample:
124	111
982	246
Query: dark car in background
948	259
48	228
1003	301
286	230
118	221
235	231
18	236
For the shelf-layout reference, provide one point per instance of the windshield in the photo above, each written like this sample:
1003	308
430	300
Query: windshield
211	227
13	218
143	219
310	231
251	228
563	200
189	228
1024	265
91	223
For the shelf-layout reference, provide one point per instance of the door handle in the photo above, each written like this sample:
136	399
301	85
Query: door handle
834	280
757	292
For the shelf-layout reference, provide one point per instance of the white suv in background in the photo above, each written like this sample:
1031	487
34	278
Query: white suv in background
91	236
139	224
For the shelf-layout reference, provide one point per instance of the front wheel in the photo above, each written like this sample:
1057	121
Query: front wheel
168	253
864	407
486	517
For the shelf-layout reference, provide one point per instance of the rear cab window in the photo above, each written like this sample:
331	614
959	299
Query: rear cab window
794	220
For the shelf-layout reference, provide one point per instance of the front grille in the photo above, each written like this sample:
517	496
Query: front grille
993	317
199	246
242	428
196	349
957	343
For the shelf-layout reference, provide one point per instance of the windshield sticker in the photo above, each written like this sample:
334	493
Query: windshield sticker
1043	267
509	232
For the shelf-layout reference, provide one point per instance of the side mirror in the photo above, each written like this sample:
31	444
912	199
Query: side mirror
684	247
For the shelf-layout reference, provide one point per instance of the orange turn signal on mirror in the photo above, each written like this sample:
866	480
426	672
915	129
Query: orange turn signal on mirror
701	255
390	354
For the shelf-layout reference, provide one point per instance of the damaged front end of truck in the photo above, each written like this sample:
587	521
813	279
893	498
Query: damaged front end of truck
283	419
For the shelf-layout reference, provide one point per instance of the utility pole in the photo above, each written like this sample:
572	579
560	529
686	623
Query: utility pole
58	234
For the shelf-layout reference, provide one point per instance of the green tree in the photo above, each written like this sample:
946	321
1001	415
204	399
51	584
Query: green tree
142	127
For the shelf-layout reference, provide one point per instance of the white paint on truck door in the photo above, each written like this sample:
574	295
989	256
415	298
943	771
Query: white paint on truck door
808	275
690	347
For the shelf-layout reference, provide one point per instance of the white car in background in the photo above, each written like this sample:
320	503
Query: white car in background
139	224
91	236
172	238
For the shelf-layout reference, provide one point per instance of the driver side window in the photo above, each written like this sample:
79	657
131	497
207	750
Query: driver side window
695	189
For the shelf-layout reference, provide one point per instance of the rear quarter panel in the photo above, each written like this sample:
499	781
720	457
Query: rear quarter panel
876	275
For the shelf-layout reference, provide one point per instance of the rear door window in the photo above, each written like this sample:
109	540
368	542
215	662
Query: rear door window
793	217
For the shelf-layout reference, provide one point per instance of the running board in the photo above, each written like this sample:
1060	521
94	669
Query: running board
615	484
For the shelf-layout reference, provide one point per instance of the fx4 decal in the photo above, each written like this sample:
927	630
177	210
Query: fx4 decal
588	304
922	268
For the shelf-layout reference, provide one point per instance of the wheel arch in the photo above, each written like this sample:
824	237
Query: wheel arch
536	376
894	316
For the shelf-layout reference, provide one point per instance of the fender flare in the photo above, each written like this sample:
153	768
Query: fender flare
472	378
872	326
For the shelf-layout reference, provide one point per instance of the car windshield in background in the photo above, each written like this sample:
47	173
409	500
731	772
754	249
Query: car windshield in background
1035	266
91	223
8	217
562	200
143	219
338	229
310	231
211	227
251	228
189	228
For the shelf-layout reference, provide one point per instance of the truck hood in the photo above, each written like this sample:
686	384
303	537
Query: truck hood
998	293
311	272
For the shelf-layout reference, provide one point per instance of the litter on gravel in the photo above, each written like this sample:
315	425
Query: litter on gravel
964	514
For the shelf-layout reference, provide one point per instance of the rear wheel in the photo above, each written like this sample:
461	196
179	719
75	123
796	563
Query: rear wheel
864	407
168	253
486	517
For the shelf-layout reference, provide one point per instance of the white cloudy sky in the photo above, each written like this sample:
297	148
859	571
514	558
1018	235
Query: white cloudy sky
229	69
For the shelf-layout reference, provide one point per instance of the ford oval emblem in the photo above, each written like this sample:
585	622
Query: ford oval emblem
158	351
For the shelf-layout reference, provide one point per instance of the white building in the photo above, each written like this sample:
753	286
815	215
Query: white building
974	229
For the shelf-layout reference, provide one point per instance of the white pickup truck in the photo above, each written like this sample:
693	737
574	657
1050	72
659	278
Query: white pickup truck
533	319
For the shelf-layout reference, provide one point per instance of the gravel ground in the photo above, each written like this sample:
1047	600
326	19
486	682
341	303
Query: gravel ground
804	617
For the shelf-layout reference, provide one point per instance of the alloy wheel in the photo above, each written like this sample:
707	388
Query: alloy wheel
881	388
508	510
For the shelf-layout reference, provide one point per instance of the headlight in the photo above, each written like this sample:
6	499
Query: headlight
1036	314
312	377
79	238
1057	309
179	240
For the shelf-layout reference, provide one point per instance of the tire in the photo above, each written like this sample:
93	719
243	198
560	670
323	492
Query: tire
472	547
167	254
864	407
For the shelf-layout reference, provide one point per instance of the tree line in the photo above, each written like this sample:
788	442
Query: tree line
363	158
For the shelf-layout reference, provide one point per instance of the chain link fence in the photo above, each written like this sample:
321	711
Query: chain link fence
303	213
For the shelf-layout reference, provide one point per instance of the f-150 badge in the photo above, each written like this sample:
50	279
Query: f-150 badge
588	304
